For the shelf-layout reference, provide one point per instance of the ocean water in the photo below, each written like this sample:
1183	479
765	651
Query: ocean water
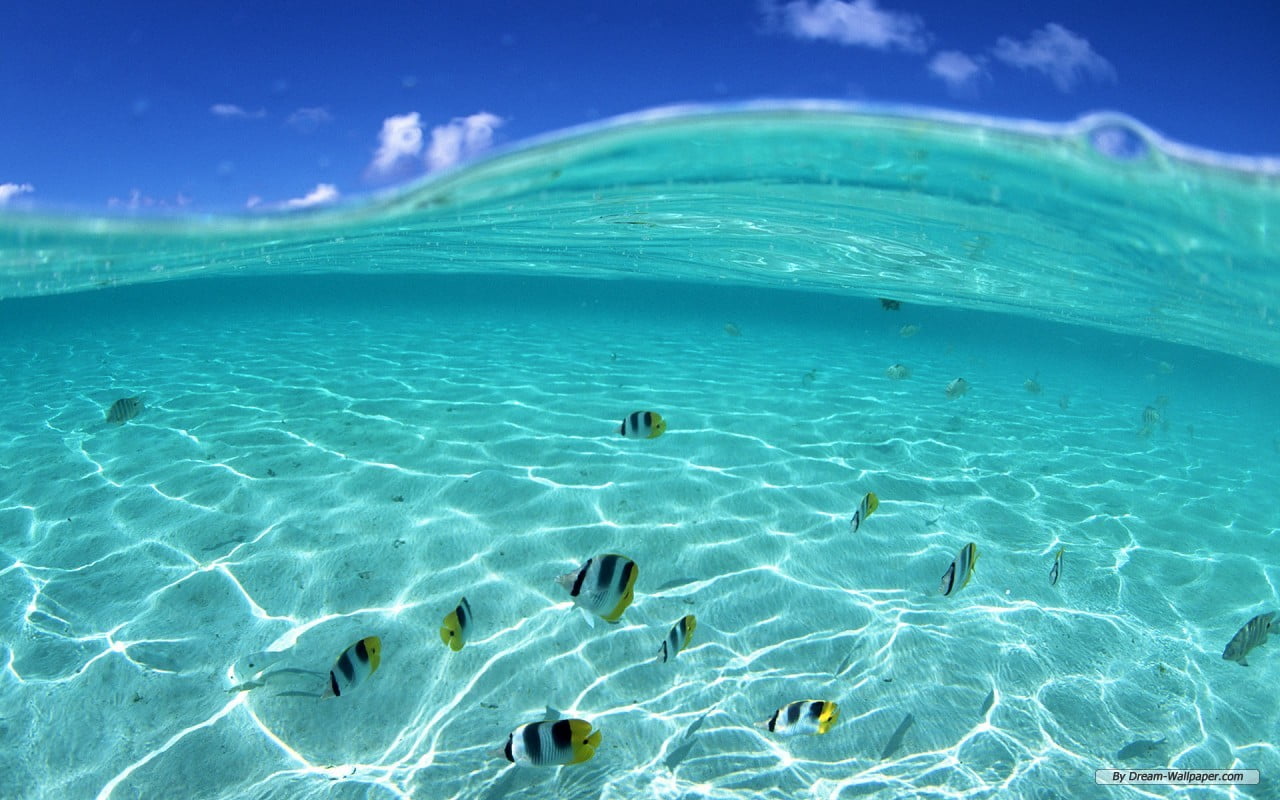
352	418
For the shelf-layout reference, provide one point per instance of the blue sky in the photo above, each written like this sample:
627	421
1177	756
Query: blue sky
217	107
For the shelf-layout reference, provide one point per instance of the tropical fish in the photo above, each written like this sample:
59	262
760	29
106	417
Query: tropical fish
1055	571
957	388
1142	748
456	623
869	504
604	585
897	372
124	409
643	425
960	571
907	331
802	716
1150	416
732	329
1253	634
890	305
356	663
678	638
1032	385
895	739
551	743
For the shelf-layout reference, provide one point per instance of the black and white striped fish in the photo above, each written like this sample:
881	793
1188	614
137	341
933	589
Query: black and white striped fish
678	638
604	585
1253	634
356	663
551	743
124	409
643	425
961	570
802	717
869	504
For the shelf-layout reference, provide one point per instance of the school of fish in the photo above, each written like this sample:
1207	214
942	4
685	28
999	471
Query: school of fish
604	585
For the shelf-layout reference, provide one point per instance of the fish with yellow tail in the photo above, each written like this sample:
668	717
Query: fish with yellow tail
961	570
356	663
643	425
551	743
869	504
453	631
679	637
604	585
1253	634
802	717
1055	571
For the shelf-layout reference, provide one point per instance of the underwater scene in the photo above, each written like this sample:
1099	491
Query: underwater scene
788	452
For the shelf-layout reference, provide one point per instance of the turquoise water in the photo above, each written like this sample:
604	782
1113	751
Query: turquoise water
354	418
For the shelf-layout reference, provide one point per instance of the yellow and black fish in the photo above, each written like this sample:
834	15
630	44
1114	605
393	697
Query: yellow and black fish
456	624
604	585
551	743
678	638
124	409
869	504
356	663
1055	571
802	716
960	571
643	425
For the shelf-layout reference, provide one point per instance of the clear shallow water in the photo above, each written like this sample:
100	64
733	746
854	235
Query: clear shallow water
326	458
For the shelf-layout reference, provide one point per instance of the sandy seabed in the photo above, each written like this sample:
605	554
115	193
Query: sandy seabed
307	474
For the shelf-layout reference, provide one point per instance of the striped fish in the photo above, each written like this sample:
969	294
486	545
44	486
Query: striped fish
678	638
453	631
124	409
1055	571
604	585
643	425
802	716
551	743
869	503
1253	634
960	571
356	663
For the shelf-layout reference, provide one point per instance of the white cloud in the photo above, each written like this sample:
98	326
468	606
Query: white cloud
960	71
307	120
8	191
137	201
230	110
461	138
400	138
859	22
1057	52
323	193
